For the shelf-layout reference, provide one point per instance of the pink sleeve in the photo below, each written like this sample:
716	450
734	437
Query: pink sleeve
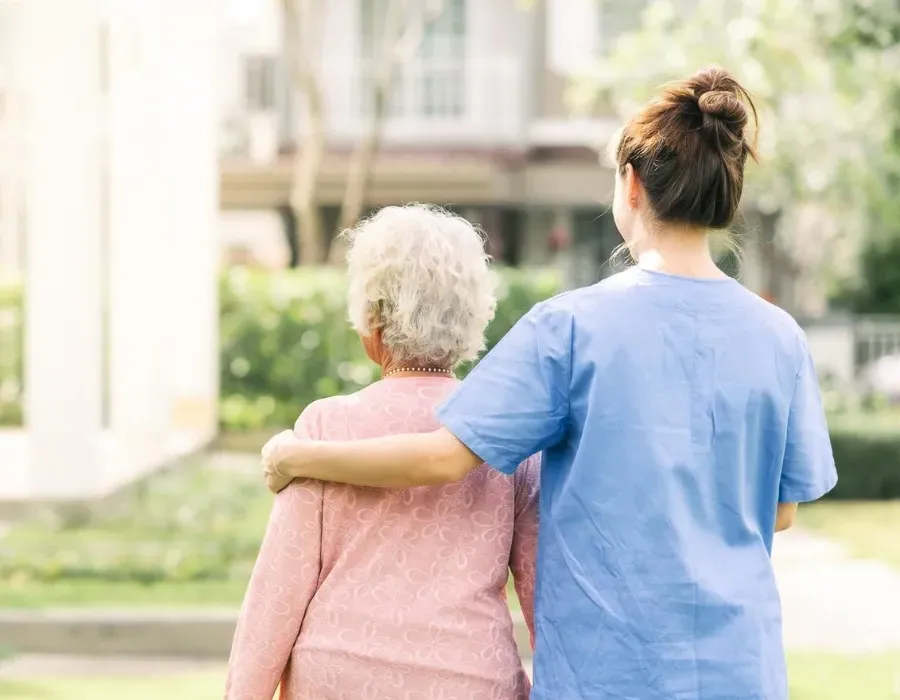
283	582
523	558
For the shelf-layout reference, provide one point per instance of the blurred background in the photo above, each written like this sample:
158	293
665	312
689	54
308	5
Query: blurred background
172	179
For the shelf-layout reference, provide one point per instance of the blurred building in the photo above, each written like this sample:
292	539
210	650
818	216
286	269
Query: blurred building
478	119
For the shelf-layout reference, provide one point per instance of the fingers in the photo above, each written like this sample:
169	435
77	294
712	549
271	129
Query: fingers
276	483
270	454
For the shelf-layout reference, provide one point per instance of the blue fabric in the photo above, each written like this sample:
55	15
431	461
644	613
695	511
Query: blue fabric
674	414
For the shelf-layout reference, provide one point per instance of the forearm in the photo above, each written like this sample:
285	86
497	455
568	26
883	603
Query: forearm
784	519
392	461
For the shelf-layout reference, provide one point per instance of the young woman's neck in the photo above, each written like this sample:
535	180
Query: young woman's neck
677	250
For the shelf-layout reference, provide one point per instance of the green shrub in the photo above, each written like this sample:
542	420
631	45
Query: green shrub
867	454
286	341
11	370
197	523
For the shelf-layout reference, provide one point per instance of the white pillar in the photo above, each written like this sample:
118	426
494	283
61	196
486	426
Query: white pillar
139	243
58	58
10	151
189	148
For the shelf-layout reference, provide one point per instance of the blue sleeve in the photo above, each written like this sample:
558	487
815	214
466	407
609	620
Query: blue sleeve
808	472
516	401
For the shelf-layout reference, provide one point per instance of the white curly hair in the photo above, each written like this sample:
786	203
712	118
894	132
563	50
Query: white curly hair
421	275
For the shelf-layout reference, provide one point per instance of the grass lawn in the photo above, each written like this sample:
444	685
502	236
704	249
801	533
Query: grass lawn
813	677
127	594
206	686
185	539
868	529
826	677
123	594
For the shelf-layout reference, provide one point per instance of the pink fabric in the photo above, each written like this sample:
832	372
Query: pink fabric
374	594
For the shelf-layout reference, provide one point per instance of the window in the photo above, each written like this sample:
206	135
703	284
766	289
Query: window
260	83
617	18
373	14
443	63
431	84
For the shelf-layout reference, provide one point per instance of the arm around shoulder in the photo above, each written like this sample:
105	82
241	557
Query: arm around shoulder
418	459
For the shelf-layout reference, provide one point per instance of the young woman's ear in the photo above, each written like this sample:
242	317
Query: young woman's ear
632	186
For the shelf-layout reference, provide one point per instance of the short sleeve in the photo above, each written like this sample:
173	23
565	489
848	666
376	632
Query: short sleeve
808	472
515	402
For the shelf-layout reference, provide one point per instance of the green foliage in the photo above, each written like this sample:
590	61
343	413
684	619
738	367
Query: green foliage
869	41
822	129
876	287
779	50
867	453
11	369
286	341
194	524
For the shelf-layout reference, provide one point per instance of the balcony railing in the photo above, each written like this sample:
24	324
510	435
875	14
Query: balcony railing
434	103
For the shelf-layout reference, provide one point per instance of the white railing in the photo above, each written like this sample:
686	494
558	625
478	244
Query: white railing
476	102
876	338
845	346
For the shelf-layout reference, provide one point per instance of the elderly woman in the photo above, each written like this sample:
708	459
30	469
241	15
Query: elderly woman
383	594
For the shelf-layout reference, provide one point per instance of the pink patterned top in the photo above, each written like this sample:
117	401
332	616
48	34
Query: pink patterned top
389	594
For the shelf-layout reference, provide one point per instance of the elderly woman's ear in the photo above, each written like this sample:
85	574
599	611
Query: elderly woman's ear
372	343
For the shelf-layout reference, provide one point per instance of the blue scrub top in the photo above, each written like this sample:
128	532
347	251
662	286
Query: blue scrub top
674	415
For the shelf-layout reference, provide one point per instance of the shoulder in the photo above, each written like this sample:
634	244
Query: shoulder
777	323
322	411
560	316
610	290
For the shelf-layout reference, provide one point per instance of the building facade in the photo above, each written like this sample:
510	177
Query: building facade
478	119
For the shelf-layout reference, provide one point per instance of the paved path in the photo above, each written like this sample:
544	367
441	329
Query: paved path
832	602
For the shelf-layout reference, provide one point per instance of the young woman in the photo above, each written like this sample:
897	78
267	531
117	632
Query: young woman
680	420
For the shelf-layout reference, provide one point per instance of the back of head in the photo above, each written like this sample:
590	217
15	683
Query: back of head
421	275
689	147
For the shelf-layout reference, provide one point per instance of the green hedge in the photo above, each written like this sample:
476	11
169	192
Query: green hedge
867	453
192	524
286	340
11	341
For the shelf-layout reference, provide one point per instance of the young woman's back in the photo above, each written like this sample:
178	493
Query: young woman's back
681	394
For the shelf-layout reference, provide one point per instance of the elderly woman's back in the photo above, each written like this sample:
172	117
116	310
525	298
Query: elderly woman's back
392	594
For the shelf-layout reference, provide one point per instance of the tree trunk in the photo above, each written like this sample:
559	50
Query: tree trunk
303	196
768	248
303	32
360	174
401	38
289	227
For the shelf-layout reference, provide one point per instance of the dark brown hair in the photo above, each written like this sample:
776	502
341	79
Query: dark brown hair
689	148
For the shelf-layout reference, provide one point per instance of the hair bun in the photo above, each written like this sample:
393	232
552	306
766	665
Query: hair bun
725	107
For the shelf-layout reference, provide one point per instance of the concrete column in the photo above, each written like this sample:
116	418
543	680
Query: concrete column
58	59
10	156
139	242
189	147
